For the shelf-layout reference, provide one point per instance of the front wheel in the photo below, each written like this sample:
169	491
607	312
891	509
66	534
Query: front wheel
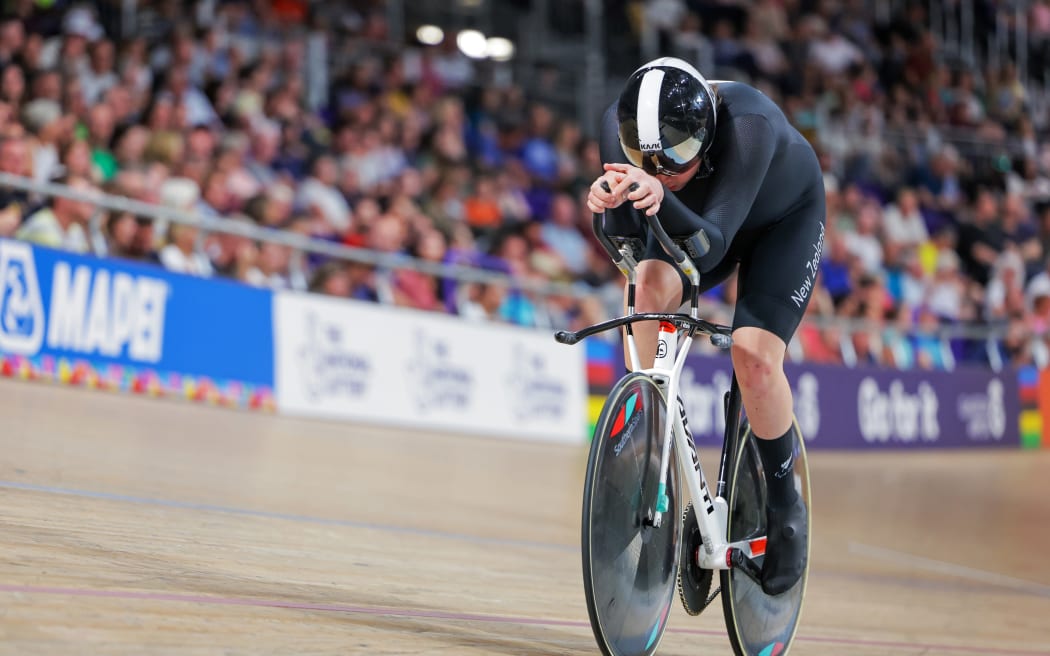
760	624
629	566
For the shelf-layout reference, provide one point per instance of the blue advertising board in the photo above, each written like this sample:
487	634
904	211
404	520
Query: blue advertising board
871	407
122	316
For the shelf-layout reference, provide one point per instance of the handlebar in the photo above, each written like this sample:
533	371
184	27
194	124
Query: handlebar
721	336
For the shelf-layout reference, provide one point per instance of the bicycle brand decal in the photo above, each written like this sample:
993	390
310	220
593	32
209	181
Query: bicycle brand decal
656	629
710	506
626	410
627	415
774	649
800	295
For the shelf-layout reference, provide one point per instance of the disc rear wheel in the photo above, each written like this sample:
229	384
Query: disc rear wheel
759	624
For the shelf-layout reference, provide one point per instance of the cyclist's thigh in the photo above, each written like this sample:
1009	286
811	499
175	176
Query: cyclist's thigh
654	251
779	272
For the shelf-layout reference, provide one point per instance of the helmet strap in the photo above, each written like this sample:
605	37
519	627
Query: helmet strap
705	170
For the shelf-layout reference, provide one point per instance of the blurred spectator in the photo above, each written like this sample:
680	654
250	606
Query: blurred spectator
902	224
836	268
182	254
12	39
818	345
12	86
946	295
1019	230
864	242
981	239
1039	285
130	237
898	349
561	232
14	203
481	209
62	223
832	52
271	267
1004	295
101	125
417	289
938	182
100	74
926	341
908	284
333	279
47	129
318	194
76	161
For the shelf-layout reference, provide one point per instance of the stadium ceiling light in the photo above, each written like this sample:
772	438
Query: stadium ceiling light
430	35
472	43
500	49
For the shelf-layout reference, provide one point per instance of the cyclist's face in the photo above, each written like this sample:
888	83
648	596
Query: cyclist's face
676	182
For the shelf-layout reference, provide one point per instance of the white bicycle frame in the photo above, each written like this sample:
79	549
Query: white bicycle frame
712	512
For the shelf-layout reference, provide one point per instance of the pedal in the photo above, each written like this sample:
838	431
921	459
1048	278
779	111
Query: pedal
749	567
694	582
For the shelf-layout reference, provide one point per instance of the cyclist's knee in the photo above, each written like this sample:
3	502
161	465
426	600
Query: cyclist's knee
659	287
758	358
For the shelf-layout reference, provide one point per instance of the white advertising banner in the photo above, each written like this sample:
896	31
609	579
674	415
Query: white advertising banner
357	361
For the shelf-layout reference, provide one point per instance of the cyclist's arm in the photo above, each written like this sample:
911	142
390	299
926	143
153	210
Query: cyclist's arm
743	159
622	221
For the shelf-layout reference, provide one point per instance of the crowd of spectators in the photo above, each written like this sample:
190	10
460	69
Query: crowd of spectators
236	109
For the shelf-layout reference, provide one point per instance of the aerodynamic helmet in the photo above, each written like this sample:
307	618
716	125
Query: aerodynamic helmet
667	116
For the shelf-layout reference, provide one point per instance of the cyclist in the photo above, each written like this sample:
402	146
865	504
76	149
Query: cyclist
721	158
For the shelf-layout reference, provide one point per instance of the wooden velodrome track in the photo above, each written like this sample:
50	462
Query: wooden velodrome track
134	526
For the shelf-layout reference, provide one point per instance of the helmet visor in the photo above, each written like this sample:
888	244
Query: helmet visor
675	153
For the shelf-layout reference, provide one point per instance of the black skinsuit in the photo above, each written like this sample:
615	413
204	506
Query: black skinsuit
762	207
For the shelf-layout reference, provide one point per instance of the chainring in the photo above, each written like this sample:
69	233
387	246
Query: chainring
694	582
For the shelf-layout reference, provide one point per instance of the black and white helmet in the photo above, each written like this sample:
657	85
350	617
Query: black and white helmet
667	116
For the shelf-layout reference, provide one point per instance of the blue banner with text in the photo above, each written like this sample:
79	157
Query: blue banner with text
58	308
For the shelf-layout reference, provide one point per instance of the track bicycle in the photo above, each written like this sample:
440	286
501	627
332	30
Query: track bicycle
638	541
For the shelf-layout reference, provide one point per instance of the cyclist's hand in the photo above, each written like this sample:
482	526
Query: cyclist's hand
644	190
600	197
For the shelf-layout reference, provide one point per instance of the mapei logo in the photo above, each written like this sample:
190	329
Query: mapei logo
91	311
21	308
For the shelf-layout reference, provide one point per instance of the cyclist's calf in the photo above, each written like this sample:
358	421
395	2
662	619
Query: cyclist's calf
758	360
